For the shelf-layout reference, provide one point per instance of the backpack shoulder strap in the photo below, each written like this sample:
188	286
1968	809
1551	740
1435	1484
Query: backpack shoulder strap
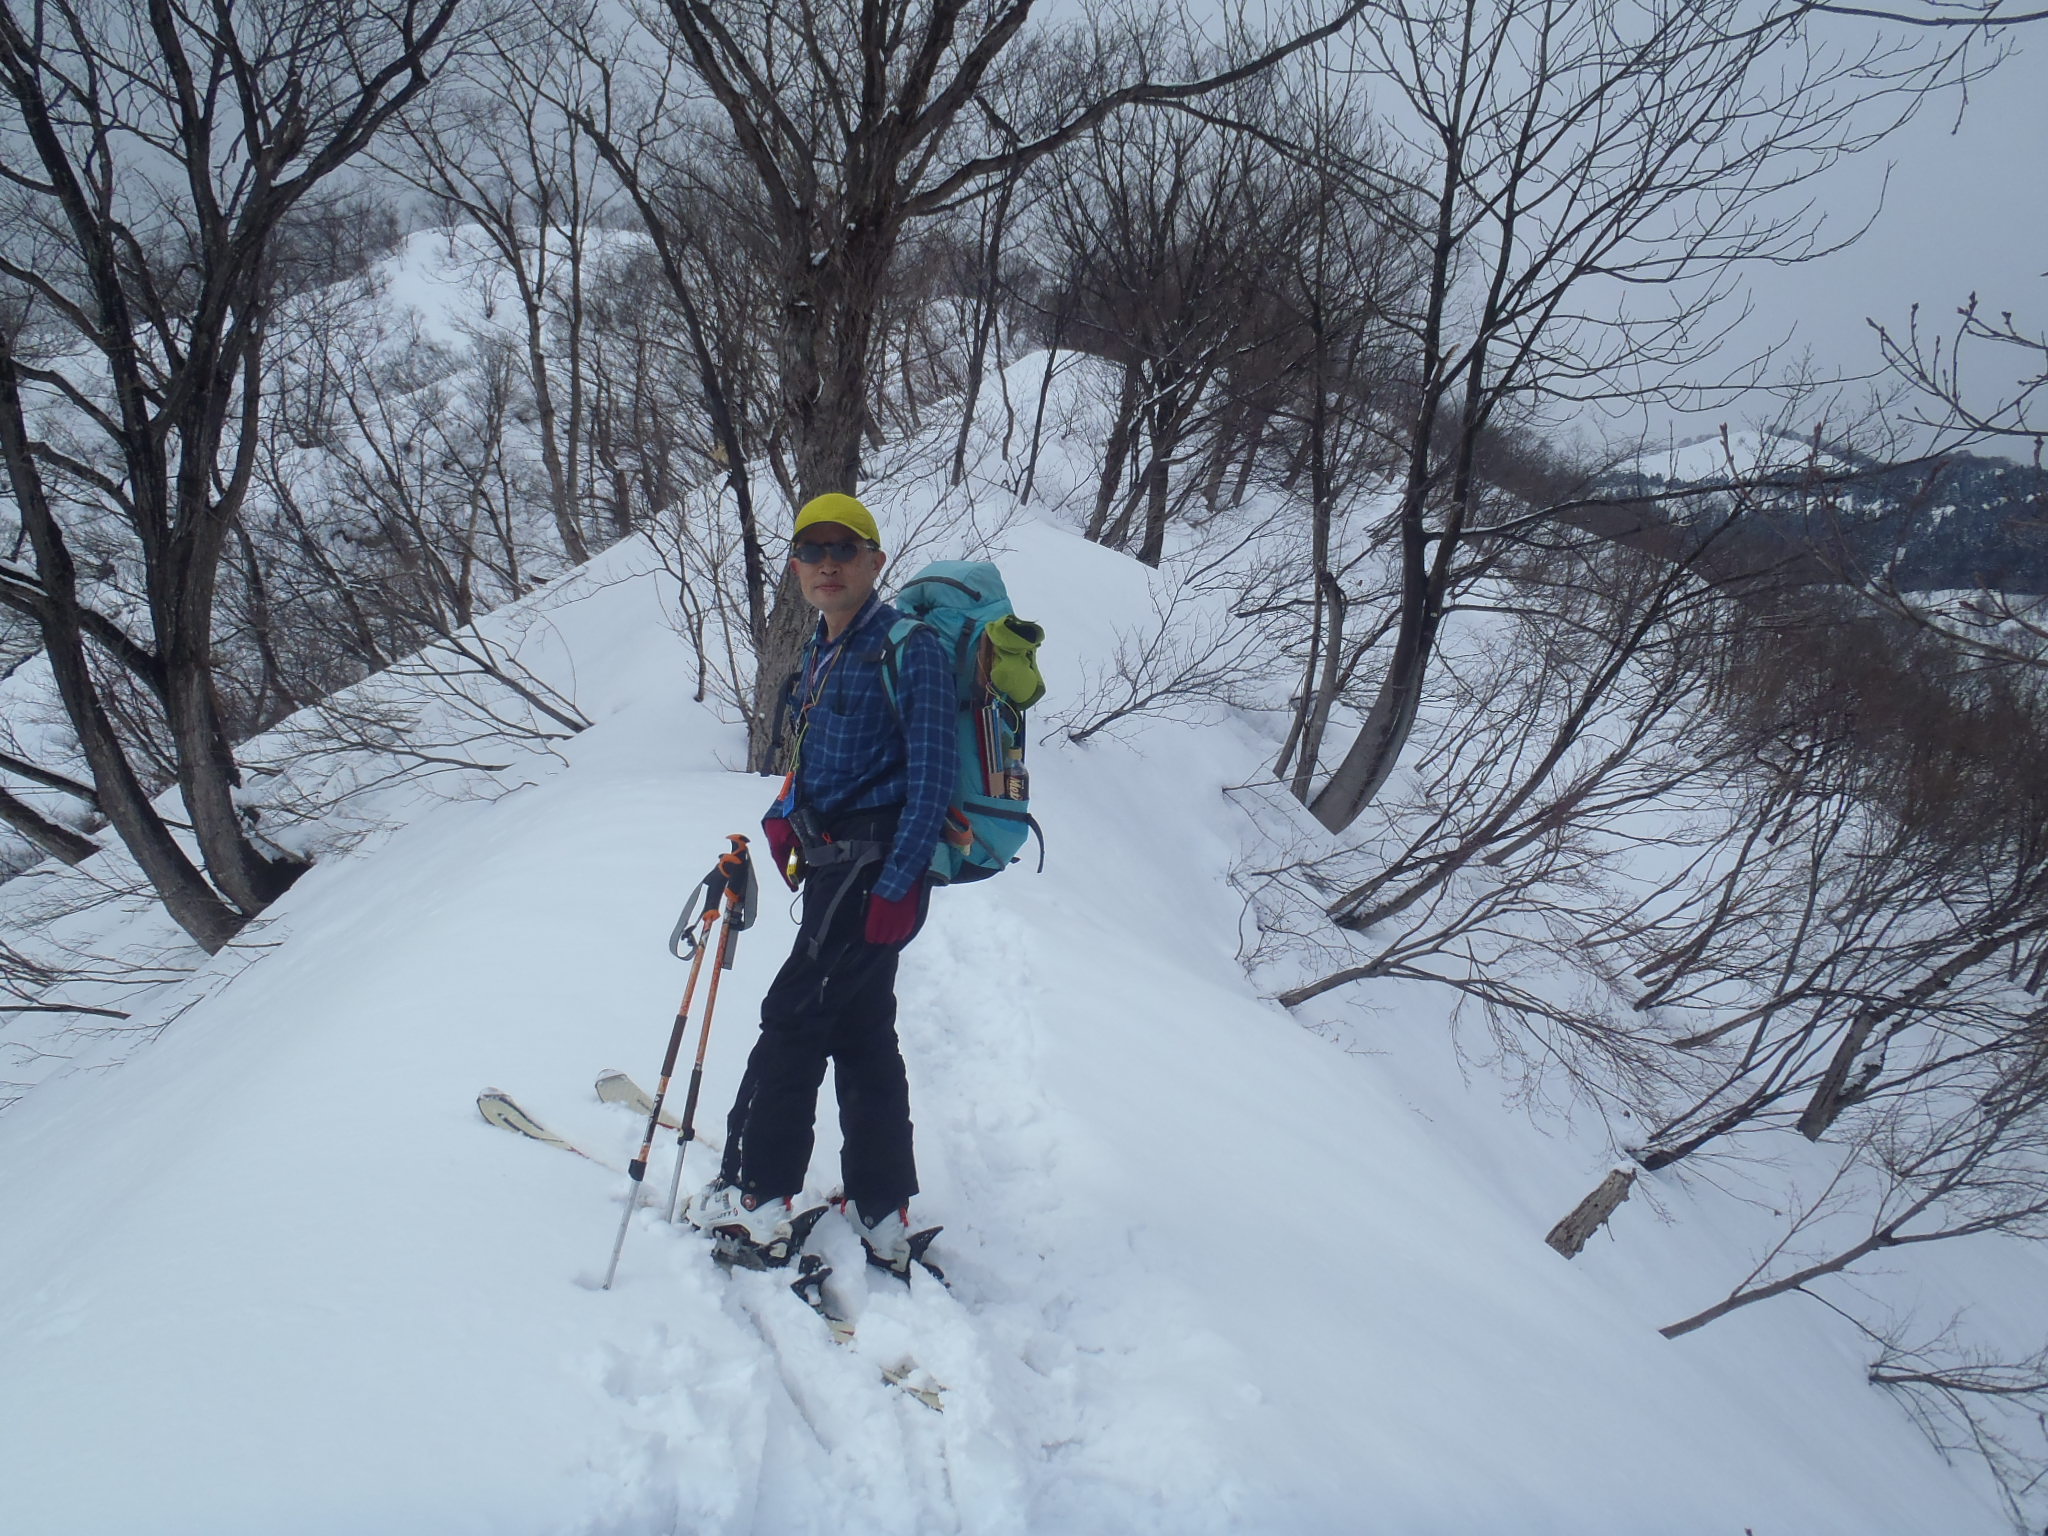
785	706
892	661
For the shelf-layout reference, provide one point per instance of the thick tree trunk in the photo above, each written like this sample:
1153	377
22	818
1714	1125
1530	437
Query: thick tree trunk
192	903
824	351
1321	685
1123	431
1158	510
207	775
789	624
1038	416
1425	590
1370	761
562	497
984	322
1856	1065
1152	547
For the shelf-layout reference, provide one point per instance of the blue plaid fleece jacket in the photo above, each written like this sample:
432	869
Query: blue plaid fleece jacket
853	755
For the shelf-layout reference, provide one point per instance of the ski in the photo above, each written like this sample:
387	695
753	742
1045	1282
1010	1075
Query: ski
809	1285
812	1272
617	1088
907	1376
501	1109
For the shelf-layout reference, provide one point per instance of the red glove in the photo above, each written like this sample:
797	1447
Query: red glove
892	921
782	843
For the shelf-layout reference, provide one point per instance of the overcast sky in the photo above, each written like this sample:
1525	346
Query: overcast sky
1961	203
1965	210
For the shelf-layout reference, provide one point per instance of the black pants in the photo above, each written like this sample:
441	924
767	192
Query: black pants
834	998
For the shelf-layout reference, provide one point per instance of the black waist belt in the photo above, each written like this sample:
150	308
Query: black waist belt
844	850
850	836
851	840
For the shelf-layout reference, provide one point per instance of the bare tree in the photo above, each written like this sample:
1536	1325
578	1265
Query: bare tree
1333	385
1165	230
1940	1171
856	122
497	151
1576	163
1975	1401
1516	828
1940	369
677	177
149	158
1185	665
986	314
1871	919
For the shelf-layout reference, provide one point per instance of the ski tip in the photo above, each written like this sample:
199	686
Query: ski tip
915	1381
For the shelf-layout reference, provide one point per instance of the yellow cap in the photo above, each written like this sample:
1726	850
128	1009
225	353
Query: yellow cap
838	507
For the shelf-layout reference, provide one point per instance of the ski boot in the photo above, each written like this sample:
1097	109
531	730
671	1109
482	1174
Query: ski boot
890	1243
751	1231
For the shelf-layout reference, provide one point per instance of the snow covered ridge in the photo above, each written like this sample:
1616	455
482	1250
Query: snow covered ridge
1212	1271
478	689
477	715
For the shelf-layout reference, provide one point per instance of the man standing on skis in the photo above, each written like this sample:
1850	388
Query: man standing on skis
856	824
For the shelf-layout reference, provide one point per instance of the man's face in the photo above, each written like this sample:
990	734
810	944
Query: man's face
835	587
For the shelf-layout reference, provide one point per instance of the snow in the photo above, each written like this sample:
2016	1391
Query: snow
429	277
1716	458
1212	1270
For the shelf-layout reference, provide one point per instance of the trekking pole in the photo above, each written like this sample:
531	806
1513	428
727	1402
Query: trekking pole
739	914
715	888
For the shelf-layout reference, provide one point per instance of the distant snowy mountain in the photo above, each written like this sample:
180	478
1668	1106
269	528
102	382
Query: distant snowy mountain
1960	520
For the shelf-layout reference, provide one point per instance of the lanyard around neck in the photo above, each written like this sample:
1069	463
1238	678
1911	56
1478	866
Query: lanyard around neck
823	676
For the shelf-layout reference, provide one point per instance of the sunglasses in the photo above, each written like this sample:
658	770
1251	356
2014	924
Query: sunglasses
840	551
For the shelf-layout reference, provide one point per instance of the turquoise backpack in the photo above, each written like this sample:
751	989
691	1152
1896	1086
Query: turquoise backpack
995	672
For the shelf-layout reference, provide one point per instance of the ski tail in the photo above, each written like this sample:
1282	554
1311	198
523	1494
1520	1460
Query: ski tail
616	1087
501	1109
